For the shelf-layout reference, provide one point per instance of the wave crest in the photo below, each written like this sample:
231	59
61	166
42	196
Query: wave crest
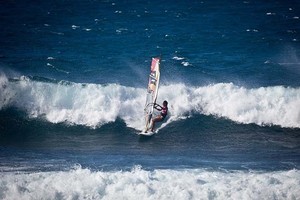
276	105
94	105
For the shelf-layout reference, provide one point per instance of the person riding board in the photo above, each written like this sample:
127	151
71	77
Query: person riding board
162	115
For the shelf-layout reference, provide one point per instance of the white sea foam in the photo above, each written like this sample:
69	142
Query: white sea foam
185	63
94	105
75	27
266	105
178	58
158	184
270	13
57	69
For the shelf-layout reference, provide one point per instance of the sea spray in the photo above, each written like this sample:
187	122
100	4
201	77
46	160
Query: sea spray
94	105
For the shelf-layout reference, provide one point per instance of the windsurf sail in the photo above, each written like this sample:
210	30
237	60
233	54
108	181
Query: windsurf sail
152	92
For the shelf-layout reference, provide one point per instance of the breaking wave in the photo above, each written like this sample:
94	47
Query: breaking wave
137	183
94	105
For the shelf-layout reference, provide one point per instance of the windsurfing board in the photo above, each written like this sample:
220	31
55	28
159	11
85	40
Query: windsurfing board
152	92
148	133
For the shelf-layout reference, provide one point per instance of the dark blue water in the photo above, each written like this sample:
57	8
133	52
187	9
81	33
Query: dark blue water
73	78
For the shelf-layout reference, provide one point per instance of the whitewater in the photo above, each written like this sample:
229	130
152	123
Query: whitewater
137	183
93	105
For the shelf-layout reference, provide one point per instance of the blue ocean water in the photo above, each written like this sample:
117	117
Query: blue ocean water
73	77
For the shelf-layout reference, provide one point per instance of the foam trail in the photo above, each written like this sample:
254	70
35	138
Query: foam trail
158	184
94	105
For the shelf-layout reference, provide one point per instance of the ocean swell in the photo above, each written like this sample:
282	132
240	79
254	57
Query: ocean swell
94	105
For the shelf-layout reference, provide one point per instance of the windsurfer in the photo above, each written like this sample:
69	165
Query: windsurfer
162	115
